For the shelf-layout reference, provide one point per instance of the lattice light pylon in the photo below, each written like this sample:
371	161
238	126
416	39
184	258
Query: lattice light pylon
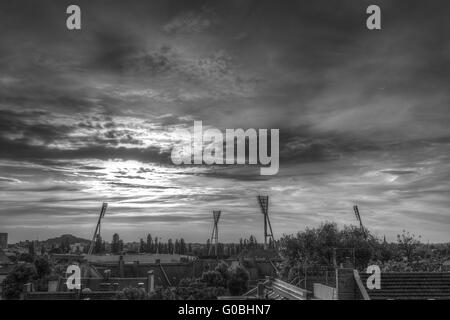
97	228
215	233
268	233
358	217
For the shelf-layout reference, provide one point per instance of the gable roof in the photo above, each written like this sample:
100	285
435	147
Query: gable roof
410	286
275	289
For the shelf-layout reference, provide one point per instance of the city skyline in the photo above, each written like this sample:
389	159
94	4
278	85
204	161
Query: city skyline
91	115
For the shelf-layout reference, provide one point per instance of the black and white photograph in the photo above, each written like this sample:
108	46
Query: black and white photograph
242	151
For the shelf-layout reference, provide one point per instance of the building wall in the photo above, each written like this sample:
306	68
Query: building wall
3	240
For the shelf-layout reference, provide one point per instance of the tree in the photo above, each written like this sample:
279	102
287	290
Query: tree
156	250
42	266
43	270
177	246
208	246
327	245
407	244
170	246
252	243
182	246
115	244
237	284
16	279
142	246
98	247
149	243
31	248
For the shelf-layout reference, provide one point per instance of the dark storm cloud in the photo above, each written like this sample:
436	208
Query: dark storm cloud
44	189
12	123
18	150
25	125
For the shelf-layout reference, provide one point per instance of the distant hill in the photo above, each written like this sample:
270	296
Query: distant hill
71	239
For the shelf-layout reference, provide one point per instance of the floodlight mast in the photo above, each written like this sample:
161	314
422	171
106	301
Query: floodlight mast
97	228
215	233
268	233
358	217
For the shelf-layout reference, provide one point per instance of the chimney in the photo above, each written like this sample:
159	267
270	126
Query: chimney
260	290
27	287
107	274
348	263
150	281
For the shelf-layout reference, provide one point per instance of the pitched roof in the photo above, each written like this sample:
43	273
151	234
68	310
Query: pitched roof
275	289
410	286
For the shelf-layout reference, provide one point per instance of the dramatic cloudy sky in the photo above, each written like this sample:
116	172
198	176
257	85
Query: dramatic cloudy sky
90	116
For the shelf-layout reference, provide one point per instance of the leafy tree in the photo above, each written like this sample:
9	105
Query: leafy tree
156	247
208	246
142	246
237	284
16	279
327	245
115	244
182	246
149	243
31	248
98	246
177	246
42	266
408	244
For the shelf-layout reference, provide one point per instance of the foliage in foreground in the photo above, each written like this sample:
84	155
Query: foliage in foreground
213	283
328	245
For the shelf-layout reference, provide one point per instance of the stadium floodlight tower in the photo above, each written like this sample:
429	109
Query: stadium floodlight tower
97	228
215	233
358	217
268	233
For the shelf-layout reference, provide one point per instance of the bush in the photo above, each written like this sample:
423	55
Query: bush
131	293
